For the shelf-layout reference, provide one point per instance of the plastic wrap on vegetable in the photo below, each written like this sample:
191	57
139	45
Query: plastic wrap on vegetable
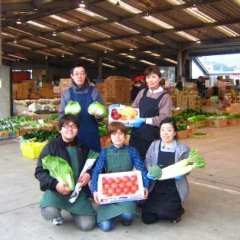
73	108
92	156
97	109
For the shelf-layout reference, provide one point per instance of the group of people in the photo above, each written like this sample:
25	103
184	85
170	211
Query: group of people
153	141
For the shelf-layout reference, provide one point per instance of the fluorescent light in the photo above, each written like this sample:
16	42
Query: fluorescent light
72	36
9	58
19	21
61	19
7	34
16	56
36	24
125	43
125	6
46	53
108	65
187	36
154	40
152	53
147	62
21	31
88	59
170	60
199	15
101	46
227	31
97	32
49	40
18	45
237	2
176	2
90	13
127	55
34	43
62	51
128	29
158	22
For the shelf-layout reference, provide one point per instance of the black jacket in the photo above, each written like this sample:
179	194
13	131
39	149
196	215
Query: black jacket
57	148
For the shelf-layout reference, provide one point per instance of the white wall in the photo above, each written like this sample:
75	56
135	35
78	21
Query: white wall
4	91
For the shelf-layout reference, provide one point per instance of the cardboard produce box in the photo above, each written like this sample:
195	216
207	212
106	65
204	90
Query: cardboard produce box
120	187
122	113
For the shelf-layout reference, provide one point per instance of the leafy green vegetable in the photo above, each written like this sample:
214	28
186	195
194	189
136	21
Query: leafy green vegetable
195	159
97	109
73	108
40	136
59	169
155	171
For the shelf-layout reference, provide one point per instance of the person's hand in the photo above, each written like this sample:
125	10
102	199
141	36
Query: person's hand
84	179
178	178
138	122
63	188
145	193
95	197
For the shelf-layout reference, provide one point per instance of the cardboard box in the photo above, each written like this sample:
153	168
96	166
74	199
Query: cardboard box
120	187
122	113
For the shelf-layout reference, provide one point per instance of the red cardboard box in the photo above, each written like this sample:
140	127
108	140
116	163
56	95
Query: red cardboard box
120	187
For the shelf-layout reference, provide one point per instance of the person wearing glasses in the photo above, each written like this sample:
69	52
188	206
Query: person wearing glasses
56	194
84	93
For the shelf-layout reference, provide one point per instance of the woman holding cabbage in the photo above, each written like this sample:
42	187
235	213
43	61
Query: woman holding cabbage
77	99
58	169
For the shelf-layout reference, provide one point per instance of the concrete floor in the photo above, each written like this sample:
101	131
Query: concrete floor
212	209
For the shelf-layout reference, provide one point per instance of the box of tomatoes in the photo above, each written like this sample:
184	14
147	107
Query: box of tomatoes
120	187
122	113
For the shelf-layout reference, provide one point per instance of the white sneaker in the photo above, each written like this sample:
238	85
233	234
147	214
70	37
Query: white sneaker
58	221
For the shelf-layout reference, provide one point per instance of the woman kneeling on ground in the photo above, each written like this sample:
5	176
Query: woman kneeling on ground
56	194
118	157
165	197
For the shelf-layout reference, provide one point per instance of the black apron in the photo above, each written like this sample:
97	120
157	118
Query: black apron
142	137
164	199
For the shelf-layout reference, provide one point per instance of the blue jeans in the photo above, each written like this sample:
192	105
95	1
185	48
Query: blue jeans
109	225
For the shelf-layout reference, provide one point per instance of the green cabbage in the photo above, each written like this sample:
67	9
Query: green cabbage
73	108
97	109
59	169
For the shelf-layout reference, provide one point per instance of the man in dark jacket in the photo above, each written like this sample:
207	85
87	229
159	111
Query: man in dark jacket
56	194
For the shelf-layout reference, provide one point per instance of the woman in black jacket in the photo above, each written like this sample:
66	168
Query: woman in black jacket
56	194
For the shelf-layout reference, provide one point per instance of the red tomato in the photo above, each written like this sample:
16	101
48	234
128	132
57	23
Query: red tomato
118	191
126	179
105	186
134	188
129	184
110	192
114	185
126	190
118	180
104	180
133	178
121	185
110	180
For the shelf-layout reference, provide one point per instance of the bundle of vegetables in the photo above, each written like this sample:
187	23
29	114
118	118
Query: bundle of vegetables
194	160
97	109
40	136
102	129
59	169
73	108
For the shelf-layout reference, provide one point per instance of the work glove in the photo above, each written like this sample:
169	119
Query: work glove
178	178
138	122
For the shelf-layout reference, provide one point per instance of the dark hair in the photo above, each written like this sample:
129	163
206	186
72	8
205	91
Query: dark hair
115	126
87	81
68	118
170	121
154	70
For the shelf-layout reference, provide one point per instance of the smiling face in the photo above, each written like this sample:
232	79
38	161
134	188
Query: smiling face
167	133
69	131
118	138
153	81
79	76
